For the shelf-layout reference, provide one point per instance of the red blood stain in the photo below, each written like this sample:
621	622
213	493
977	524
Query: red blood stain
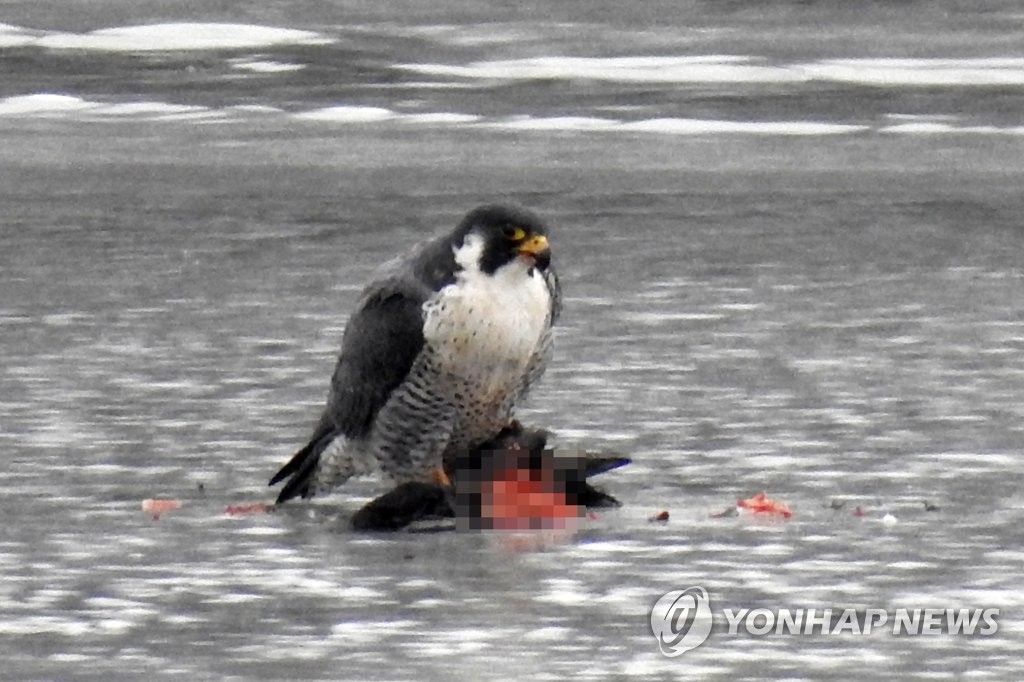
762	504
157	507
248	509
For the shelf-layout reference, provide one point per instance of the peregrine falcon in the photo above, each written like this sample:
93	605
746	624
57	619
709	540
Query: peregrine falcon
443	343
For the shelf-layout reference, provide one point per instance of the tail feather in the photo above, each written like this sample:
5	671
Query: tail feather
599	464
301	469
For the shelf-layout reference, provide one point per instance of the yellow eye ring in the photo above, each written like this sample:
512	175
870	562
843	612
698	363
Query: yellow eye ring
516	234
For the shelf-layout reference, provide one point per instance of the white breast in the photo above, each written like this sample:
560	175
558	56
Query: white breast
485	328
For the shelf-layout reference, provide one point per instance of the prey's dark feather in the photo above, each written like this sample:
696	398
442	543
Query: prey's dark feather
409	502
599	464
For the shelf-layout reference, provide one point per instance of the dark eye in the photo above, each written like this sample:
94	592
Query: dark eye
512	233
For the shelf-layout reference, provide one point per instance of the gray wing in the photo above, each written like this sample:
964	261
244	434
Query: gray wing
382	340
555	287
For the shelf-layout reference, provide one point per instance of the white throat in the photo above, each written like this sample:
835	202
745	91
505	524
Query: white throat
488	326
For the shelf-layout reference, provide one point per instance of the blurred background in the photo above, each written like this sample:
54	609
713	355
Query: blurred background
790	240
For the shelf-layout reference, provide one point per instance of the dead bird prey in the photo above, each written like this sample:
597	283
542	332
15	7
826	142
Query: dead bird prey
513	481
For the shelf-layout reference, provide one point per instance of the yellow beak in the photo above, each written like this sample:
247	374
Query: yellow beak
534	245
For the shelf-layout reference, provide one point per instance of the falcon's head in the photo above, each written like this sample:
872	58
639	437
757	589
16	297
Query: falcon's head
493	236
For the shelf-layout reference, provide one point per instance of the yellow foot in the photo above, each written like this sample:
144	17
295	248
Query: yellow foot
439	477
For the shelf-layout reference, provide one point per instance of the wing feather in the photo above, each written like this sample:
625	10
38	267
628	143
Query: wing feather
381	342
